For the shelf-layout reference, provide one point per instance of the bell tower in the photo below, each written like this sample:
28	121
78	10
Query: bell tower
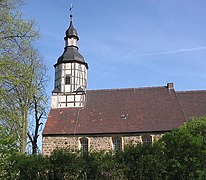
70	73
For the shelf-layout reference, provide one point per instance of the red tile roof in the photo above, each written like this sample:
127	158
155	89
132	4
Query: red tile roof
193	103
119	111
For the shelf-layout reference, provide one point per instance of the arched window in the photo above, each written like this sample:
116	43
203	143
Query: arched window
117	144
147	139
84	145
68	79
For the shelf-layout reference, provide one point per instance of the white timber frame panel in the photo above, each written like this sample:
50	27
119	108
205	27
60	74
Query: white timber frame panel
71	92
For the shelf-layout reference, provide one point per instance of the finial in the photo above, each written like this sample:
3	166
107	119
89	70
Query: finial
70	9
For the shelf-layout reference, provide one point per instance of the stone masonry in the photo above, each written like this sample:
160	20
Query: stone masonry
97	143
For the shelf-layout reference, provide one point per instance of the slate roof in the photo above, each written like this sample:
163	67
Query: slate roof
71	54
133	110
71	31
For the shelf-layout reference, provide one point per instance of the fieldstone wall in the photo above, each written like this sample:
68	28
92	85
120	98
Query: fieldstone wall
49	143
96	143
132	140
100	143
136	139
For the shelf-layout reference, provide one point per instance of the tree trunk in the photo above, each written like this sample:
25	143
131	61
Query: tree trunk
24	132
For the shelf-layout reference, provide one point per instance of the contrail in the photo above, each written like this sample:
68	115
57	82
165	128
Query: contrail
171	51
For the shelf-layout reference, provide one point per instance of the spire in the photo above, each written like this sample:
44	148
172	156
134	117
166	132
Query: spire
71	50
70	9
70	73
71	31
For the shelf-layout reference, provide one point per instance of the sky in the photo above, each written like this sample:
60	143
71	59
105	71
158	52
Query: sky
127	44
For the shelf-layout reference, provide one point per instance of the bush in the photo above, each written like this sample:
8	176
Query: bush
24	167
185	149
180	154
142	162
64	164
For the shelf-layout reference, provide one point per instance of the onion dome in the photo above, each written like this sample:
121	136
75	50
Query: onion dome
71	32
71	50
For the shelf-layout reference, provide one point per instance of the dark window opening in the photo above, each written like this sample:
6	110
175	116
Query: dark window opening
68	79
84	146
117	144
147	139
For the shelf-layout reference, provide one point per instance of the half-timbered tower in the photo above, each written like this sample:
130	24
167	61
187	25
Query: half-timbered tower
70	74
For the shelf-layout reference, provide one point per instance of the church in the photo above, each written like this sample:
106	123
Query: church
108	119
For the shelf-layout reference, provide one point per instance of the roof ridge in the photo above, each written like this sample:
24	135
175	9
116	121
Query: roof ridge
187	91
113	89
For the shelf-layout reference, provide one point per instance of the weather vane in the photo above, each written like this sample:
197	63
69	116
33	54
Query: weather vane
70	9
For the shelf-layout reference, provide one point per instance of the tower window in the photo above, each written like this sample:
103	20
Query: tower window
84	146
68	79
147	139
117	144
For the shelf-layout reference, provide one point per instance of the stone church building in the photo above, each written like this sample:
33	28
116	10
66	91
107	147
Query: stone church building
108	119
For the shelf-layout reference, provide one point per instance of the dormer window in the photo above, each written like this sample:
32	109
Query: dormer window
67	79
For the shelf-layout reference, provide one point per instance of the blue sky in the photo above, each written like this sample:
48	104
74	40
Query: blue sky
133	43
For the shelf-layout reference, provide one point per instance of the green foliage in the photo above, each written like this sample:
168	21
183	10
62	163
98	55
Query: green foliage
23	167
108	166
22	72
8	149
99	166
142	161
15	32
64	165
180	154
185	149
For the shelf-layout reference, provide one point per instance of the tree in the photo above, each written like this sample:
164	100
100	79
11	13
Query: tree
185	150
14	30
39	109
142	161
22	72
8	148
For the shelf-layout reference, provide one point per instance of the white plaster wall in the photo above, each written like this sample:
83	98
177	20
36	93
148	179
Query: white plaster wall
71	42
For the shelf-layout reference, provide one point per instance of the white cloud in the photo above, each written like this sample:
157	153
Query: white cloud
171	51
